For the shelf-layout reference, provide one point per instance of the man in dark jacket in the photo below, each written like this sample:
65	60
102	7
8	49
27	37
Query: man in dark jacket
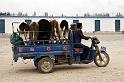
77	36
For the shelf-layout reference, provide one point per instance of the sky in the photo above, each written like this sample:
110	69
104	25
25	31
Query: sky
67	7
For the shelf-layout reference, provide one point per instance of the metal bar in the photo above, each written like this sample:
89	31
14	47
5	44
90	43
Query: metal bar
13	25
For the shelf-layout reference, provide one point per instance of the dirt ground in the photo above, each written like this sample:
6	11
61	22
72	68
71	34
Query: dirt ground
114	72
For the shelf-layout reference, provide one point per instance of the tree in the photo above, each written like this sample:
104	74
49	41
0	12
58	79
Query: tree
8	14
46	14
62	15
20	14
77	15
26	14
86	14
34	14
118	14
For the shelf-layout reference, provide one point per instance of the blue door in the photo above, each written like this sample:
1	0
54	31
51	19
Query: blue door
2	26
117	25
97	25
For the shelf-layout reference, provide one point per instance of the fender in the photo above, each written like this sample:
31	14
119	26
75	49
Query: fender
40	56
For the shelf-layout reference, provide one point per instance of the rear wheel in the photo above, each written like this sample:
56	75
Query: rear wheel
45	65
103	61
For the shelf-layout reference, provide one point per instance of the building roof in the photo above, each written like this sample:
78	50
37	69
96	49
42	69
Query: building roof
62	17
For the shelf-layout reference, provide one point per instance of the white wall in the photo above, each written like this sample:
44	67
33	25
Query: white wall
9	21
122	24
88	24
106	24
8	24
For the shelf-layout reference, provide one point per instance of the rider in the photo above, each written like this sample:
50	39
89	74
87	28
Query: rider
77	36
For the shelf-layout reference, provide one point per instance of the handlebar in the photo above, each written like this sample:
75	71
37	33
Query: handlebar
95	40
94	37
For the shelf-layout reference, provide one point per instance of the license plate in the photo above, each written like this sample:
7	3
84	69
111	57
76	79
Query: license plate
103	48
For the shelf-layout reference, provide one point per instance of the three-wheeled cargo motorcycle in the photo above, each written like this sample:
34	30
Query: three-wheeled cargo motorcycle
57	52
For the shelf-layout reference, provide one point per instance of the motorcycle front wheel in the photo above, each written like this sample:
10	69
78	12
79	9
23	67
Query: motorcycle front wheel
103	60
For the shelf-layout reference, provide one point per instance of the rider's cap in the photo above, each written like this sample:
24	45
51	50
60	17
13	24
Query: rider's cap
73	26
